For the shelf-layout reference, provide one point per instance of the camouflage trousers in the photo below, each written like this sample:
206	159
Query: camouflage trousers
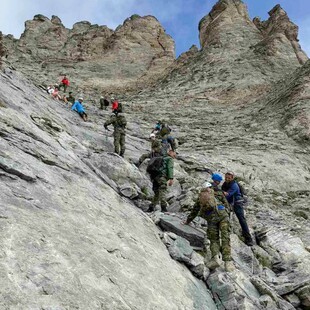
119	142
219	230
160	191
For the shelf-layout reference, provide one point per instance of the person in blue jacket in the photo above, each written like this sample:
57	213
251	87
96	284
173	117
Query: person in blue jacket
78	107
233	195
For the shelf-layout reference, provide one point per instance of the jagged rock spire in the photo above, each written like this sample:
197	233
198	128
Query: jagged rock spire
278	31
228	23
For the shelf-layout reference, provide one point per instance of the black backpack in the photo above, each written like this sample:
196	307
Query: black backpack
119	107
242	189
155	166
243	193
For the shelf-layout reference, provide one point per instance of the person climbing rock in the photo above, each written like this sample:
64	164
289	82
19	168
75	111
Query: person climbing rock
168	141
218	192
155	150
213	209
104	103
78	107
163	132
160	170
119	122
64	83
233	195
70	98
56	95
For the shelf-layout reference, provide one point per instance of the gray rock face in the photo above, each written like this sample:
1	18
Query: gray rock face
239	59
280	34
69	240
71	234
225	24
93	57
173	224
288	104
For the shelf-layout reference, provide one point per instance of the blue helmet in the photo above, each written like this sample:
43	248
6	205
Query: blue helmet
217	177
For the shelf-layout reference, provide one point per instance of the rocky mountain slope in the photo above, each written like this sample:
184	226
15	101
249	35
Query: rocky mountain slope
239	58
69	240
93	56
73	231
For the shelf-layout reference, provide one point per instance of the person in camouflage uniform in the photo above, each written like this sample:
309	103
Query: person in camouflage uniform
163	132
212	206
155	150
167	142
70	98
104	103
218	192
160	182
119	122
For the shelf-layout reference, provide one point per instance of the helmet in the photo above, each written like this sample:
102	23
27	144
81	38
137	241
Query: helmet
217	177
206	184
80	98
152	135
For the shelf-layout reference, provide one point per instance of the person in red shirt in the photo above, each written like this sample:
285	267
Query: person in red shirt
114	104
64	83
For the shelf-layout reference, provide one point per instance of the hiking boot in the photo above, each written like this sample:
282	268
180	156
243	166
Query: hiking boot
214	263
150	209
229	266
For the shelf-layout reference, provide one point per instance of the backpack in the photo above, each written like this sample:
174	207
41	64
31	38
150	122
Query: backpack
117	106
120	107
208	202
164	130
207	199
243	193
155	166
242	189
168	142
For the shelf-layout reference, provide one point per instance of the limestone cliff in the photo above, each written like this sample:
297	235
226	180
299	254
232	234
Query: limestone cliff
239	58
92	56
280	35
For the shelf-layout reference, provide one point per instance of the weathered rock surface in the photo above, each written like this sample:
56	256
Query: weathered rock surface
94	57
71	234
279	33
69	240
238	59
